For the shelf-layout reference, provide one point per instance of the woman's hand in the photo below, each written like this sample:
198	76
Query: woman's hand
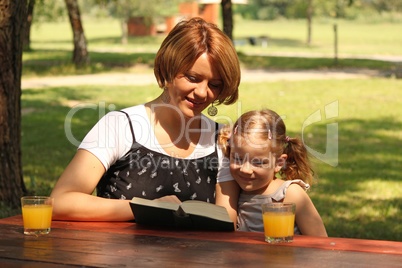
170	198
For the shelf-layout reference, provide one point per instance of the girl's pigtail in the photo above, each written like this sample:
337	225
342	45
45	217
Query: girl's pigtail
224	136
297	164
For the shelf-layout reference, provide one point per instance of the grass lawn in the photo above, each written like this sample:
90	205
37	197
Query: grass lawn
359	197
52	46
354	38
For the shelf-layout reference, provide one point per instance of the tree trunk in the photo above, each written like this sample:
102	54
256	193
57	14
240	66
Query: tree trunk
27	35
309	19
80	55
227	18
12	21
124	31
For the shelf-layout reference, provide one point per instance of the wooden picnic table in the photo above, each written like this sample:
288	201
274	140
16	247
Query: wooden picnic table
127	244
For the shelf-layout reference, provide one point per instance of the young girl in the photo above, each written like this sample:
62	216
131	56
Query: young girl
269	167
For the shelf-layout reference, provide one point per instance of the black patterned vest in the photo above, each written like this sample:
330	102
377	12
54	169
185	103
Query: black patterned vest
144	173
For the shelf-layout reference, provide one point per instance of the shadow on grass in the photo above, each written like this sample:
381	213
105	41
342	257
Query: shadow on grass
59	62
266	40
132	40
289	63
360	198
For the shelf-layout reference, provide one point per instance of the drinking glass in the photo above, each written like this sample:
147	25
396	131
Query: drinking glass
37	214
279	220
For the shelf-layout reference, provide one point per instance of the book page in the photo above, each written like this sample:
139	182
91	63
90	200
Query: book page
206	209
155	203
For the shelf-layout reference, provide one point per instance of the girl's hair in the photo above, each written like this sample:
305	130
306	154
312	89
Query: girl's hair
186	43
270	127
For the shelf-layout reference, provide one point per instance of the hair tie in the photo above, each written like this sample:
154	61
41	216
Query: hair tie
287	138
269	134
235	129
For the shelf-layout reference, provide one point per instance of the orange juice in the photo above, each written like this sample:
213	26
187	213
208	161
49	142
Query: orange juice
37	216
279	224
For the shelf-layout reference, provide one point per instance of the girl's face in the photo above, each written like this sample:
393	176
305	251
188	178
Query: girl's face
252	164
196	89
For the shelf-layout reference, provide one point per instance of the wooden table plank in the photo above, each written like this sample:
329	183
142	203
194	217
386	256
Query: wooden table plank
110	249
332	243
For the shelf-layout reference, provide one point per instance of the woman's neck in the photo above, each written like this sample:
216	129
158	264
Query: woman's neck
170	116
176	134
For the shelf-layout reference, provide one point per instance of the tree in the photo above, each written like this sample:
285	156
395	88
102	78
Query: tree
27	35
227	16
309	19
12	21
149	10
80	54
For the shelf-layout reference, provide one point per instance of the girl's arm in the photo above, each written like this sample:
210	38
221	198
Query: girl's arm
73	199
307	217
227	195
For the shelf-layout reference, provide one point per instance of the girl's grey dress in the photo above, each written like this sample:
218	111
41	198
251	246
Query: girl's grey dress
249	216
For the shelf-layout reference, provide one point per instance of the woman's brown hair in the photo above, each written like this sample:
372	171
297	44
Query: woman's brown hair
189	40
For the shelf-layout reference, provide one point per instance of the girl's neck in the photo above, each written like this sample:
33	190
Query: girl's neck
271	188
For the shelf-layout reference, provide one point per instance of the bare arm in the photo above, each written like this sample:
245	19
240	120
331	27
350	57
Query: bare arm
307	217
227	195
73	199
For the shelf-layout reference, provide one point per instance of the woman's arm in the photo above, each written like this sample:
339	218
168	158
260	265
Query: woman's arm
73	199
307	217
227	195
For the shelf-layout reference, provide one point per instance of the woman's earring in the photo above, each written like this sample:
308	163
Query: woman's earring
212	111
165	96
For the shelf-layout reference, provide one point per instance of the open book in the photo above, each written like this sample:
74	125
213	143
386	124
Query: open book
189	214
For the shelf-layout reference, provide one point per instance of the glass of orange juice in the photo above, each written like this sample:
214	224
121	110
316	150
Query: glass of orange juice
37	214
279	222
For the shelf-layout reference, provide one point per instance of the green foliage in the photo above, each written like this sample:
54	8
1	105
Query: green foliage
49	10
6	211
124	9
297	10
385	5
292	9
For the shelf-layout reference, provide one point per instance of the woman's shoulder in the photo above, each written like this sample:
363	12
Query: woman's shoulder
209	122
129	111
134	110
209	131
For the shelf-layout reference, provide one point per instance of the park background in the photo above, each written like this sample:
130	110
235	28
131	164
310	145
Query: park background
359	197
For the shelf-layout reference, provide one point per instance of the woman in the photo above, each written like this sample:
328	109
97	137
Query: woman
163	149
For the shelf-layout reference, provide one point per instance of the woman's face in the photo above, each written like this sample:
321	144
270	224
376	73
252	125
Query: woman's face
252	164
197	88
